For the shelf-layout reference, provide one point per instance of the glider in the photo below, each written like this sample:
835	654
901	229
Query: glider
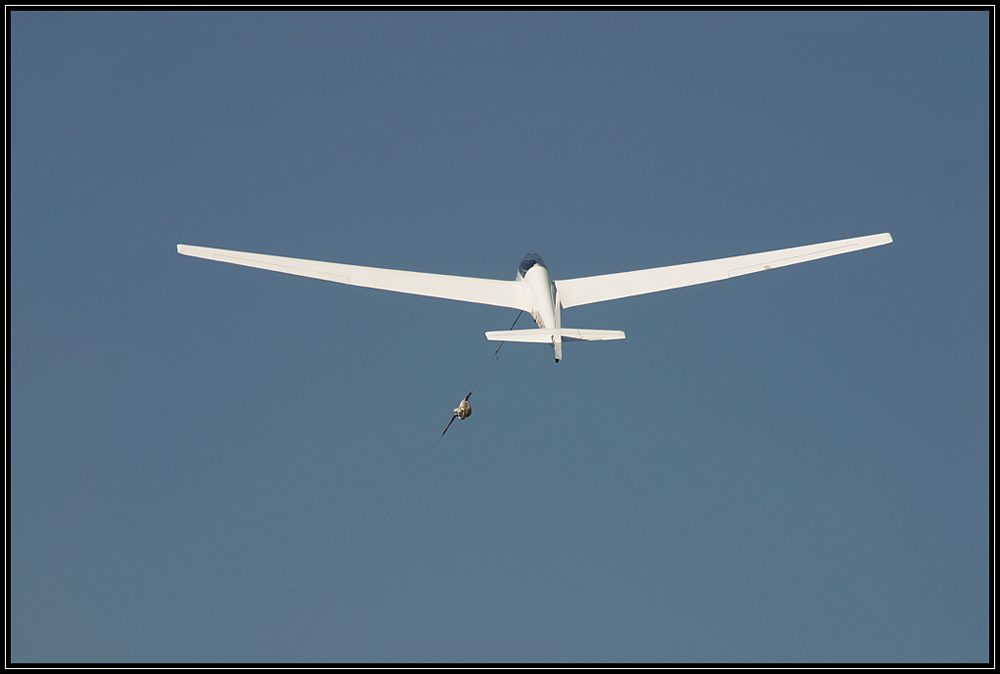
533	291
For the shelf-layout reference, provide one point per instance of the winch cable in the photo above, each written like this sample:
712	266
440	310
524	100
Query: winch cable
492	358
494	355
372	537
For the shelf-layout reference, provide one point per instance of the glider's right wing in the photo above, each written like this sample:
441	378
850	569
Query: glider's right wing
574	292
464	289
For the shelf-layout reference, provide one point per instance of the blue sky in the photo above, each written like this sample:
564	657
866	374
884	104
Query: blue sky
785	467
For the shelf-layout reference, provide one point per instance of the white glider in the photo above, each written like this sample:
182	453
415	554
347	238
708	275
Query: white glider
533	291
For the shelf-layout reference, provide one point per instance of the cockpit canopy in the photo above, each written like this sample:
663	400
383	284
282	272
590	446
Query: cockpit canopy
527	262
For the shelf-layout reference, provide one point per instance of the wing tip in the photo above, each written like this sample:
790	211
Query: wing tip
195	251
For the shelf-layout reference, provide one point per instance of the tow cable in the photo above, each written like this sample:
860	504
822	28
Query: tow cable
463	411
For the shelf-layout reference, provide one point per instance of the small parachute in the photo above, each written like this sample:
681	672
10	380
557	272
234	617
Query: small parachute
464	409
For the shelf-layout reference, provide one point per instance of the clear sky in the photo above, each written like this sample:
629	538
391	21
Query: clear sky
789	466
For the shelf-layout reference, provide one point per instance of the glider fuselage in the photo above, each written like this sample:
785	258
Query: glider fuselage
542	297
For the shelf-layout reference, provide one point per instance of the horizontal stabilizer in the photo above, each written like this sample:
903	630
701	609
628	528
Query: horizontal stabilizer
545	335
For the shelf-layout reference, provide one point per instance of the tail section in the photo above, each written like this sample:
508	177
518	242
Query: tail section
554	336
546	335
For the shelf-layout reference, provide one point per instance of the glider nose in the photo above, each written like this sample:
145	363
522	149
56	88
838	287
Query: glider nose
527	262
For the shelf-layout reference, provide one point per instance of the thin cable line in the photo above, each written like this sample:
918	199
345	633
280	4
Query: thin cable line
495	354
366	546
346	573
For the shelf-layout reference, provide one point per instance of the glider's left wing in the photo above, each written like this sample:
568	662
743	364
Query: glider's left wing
464	289
574	292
